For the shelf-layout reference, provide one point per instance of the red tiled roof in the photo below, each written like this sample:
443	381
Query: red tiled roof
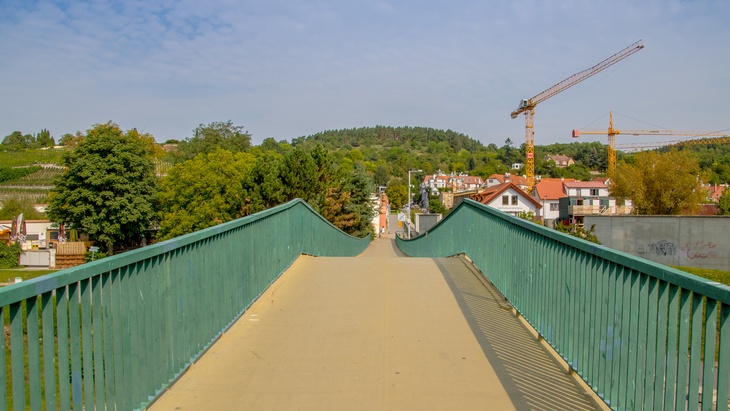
498	177
551	188
716	192
584	184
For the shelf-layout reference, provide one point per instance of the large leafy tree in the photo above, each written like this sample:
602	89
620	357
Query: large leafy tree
108	188
397	193
262	186
723	203
208	138
18	139
661	184
202	192
299	176
44	139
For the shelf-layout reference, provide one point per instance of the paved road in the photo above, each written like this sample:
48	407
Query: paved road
377	332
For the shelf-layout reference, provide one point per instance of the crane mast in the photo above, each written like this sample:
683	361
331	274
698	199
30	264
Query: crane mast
527	106
612	133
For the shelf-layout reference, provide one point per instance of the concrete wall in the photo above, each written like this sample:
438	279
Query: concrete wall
685	241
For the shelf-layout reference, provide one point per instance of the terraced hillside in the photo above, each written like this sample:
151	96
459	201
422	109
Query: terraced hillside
36	185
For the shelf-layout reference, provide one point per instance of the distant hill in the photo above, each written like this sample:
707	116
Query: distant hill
388	136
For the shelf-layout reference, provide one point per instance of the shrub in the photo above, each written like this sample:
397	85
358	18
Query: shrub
9	255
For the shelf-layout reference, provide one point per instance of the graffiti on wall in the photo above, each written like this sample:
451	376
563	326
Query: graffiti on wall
663	247
700	249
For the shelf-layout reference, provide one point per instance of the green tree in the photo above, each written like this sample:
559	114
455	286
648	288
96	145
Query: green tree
359	187
18	139
202	192
108	188
381	175
661	184
723	203
299	176
262	186
436	206
397	193
44	139
71	140
220	134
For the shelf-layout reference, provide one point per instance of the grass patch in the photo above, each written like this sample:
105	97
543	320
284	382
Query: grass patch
7	275
721	276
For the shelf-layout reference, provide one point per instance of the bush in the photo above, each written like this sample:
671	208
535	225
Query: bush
9	255
97	256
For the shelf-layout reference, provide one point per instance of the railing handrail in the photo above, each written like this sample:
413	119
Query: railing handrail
713	289
26	289
114	333
641	335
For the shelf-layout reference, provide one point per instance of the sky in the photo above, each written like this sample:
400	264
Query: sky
285	69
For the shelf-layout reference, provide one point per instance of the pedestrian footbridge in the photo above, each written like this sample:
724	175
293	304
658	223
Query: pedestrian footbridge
280	310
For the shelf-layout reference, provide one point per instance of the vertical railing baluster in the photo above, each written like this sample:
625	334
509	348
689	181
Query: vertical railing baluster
49	348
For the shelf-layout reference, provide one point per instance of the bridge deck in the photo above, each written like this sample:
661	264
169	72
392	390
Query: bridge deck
377	332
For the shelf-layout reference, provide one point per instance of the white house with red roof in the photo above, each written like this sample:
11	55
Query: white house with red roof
460	182
548	192
584	198
509	198
496	179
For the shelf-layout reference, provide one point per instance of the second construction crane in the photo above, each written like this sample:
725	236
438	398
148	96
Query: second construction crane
527	106
612	133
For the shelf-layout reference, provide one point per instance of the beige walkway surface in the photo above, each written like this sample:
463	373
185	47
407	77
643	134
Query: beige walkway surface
377	332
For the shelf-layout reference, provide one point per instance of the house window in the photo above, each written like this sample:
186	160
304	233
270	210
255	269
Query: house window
553	206
594	192
505	200
577	191
514	200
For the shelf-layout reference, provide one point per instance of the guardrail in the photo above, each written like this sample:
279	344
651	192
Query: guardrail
642	335
113	334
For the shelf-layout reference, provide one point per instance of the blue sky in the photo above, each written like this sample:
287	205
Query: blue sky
285	69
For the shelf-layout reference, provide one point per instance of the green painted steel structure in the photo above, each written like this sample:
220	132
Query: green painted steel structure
642	335
113	334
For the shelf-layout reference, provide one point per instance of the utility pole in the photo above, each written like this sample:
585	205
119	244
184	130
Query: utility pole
408	217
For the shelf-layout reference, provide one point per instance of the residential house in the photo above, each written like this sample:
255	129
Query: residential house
548	192
463	182
496	179
584	198
436	181
560	160
460	182
715	192
508	197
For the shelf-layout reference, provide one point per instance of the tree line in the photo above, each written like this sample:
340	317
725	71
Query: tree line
110	188
110	191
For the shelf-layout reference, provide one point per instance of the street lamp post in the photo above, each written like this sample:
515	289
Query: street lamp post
408	217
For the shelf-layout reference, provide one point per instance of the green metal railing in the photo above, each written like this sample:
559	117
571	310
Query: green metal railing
113	334
642	335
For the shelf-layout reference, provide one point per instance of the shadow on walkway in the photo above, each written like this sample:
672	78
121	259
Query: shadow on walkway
532	377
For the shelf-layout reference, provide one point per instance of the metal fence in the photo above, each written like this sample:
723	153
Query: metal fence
642	335
113	334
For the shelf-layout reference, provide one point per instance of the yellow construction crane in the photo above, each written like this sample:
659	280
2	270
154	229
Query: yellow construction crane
528	106
612	133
